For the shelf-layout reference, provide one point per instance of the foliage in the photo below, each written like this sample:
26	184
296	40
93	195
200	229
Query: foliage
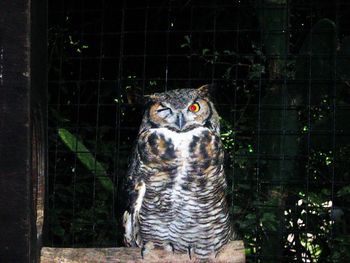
295	189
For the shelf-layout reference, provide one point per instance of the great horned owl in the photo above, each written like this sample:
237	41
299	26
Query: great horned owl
177	178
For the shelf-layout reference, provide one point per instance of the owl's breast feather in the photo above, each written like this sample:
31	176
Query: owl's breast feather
164	149
161	140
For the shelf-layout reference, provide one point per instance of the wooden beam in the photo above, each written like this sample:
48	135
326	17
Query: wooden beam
23	86
233	252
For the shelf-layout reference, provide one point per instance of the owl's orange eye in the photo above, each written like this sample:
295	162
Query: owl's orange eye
194	107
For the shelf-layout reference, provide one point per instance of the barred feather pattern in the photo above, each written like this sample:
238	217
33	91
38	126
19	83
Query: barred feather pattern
184	200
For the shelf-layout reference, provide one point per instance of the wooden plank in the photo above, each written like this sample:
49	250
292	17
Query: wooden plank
232	252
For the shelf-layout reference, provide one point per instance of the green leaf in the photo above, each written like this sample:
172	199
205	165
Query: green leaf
86	158
229	52
344	191
269	221
205	51
188	41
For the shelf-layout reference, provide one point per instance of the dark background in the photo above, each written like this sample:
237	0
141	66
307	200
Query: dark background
281	72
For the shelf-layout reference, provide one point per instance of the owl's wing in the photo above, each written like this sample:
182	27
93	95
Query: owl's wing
136	191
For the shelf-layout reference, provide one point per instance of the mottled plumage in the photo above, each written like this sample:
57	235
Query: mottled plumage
177	178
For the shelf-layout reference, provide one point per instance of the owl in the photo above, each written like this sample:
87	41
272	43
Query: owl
176	177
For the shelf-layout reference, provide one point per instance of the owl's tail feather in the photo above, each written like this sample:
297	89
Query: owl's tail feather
128	237
131	224
131	231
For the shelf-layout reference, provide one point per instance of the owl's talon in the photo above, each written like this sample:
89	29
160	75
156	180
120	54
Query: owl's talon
146	248
143	248
189	252
169	247
172	247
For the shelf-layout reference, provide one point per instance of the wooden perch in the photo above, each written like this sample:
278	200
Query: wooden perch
232	252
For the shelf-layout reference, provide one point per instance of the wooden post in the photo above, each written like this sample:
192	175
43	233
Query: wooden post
232	252
22	89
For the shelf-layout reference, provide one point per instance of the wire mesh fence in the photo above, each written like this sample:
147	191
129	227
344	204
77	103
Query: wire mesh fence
281	74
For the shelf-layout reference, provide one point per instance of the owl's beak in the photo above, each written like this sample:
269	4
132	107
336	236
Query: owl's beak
180	121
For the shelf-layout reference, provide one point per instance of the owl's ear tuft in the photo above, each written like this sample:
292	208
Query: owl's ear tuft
206	90
150	98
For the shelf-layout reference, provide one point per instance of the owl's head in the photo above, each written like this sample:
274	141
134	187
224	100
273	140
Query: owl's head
181	110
